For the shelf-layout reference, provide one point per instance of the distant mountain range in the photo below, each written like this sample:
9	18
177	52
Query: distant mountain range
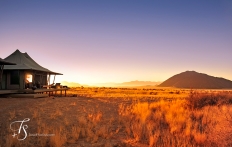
72	84
139	83
125	84
192	79
129	84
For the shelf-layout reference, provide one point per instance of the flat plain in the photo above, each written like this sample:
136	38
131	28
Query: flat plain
110	117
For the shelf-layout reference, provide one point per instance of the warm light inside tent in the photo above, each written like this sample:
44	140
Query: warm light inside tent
28	77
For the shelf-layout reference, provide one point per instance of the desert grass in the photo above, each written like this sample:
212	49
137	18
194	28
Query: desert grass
188	122
130	93
123	117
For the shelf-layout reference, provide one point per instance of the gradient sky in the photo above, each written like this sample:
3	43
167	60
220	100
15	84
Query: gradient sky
96	41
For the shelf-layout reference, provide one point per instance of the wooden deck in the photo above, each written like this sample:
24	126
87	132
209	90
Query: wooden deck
27	95
8	91
36	91
41	90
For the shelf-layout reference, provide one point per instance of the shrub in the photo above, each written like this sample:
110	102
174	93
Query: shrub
197	100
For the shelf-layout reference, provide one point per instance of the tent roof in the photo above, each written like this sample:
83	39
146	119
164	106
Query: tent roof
3	62
24	61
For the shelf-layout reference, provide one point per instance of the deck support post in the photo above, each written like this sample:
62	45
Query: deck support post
54	79
48	80
1	73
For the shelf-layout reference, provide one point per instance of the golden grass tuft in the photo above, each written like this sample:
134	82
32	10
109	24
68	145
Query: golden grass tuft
59	139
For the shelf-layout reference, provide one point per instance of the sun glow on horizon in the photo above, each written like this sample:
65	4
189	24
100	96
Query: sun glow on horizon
94	80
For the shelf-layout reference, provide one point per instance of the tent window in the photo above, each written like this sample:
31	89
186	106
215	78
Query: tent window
14	77
28	78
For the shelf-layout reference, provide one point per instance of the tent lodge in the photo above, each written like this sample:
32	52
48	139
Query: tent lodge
27	75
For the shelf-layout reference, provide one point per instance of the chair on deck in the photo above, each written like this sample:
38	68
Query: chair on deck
38	85
56	86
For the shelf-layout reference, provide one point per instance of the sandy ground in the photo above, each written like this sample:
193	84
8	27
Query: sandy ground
65	112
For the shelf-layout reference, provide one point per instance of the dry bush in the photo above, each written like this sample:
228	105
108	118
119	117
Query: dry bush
12	115
59	139
57	113
35	113
166	123
197	100
158	124
73	104
75	133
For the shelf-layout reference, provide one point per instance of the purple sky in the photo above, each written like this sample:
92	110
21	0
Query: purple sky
116	41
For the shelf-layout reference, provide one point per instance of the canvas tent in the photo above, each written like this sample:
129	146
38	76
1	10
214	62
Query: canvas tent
2	63
25	71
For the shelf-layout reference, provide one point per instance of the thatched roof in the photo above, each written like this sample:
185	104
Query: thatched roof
3	62
24	62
